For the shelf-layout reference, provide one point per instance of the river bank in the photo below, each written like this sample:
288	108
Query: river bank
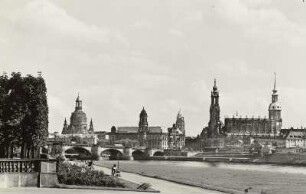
228	177
279	159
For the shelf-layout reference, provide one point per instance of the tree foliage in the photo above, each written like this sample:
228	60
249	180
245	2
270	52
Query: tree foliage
23	115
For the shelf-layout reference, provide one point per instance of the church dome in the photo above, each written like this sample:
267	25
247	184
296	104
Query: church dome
78	117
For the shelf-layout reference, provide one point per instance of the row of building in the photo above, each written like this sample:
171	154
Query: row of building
143	135
238	131
233	132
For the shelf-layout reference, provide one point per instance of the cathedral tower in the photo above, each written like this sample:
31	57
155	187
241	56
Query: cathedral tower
275	110
214	121
180	122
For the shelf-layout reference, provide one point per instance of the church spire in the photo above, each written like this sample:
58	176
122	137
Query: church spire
274	89
274	94
215	85
65	127
91	128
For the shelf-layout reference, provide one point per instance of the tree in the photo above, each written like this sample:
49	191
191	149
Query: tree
24	115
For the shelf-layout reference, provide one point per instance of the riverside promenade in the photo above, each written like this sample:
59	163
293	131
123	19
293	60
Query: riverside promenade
163	186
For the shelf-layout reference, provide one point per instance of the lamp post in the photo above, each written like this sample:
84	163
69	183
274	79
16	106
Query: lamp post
118	159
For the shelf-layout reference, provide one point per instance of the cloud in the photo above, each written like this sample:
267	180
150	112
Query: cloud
44	23
176	33
262	23
142	24
233	67
194	16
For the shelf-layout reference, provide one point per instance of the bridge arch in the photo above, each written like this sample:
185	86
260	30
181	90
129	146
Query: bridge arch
111	153
158	153
77	152
138	154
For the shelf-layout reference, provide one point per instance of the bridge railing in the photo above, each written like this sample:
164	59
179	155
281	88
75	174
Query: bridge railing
23	165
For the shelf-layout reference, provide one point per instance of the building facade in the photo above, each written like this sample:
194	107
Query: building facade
77	131
176	133
296	138
143	134
258	127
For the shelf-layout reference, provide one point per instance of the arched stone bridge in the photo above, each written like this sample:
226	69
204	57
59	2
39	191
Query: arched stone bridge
112	152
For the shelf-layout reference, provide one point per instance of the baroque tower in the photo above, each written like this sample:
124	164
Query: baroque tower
214	120
275	110
180	122
143	127
143	121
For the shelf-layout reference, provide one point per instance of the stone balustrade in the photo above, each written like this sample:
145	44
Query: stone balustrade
7	165
28	173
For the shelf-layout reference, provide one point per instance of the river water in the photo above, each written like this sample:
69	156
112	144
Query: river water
269	178
233	166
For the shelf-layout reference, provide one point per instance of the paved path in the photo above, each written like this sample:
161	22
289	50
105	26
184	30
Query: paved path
33	190
161	185
165	187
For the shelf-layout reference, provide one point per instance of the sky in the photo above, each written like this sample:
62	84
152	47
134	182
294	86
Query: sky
161	54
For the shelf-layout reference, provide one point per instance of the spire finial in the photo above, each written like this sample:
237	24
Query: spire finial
215	83
179	114
274	81
78	98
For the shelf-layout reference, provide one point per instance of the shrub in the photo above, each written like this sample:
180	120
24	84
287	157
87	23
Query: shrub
72	174
144	186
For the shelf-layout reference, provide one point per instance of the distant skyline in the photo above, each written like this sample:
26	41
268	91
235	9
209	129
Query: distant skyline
161	54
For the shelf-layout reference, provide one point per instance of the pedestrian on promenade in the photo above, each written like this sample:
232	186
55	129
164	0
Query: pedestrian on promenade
90	164
114	170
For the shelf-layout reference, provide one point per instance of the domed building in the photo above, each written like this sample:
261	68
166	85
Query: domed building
78	119
78	125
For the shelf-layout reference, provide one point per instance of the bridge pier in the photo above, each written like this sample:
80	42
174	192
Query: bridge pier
149	152
127	154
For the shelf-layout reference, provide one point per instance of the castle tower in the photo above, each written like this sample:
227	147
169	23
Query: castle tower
143	121
214	120
91	128
275	110
180	122
65	127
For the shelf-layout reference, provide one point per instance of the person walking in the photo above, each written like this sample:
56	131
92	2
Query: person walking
114	170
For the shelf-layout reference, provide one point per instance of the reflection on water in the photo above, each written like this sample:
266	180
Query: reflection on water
251	167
